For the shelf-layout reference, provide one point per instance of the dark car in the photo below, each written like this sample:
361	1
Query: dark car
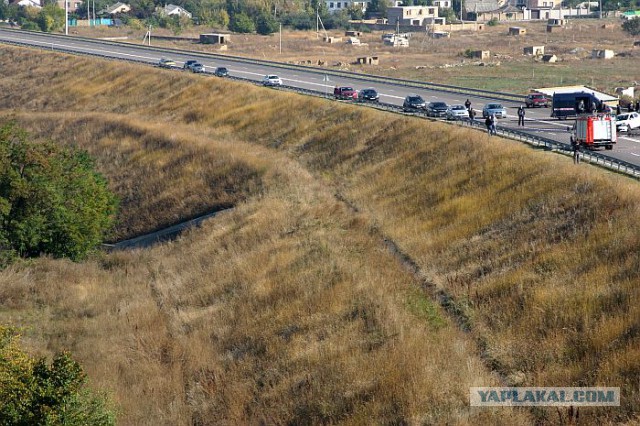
221	72
188	64
437	109
536	100
413	103
197	67
369	95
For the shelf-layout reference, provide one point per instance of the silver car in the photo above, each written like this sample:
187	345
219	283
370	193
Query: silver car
491	109
457	112
271	80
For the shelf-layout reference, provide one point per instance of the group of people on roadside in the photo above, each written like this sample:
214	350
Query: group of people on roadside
630	107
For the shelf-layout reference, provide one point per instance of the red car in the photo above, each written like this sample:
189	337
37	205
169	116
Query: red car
345	92
536	100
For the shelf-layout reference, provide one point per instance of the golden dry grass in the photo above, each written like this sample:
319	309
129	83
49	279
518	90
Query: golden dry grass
291	308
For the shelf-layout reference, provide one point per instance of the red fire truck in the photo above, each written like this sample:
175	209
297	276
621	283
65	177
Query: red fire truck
594	130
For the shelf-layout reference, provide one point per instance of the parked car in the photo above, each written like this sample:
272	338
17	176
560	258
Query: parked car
221	72
628	121
345	92
533	100
166	63
369	94
188	64
437	109
491	109
457	112
271	80
197	67
413	103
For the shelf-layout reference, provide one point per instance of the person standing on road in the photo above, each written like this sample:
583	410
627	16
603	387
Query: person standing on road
618	109
487	123
521	116
493	124
575	145
467	104
637	105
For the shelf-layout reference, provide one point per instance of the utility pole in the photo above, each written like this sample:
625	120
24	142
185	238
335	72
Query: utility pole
281	38
66	17
599	9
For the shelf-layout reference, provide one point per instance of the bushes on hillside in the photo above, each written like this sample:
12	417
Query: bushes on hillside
33	392
632	26
51	199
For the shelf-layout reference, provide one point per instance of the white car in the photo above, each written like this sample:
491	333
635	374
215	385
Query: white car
271	80
628	121
457	112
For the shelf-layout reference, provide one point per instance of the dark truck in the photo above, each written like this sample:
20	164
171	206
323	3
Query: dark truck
566	105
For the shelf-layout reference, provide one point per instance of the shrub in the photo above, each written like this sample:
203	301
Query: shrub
241	23
266	24
34	392
493	22
632	26
51	199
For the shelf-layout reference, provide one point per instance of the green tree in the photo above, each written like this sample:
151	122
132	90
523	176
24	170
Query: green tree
33	392
632	26
51	18
266	24
241	23
51	198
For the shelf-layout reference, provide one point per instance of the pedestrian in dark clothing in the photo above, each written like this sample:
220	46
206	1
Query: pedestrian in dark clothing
637	105
630	107
521	116
618	109
487	123
467	104
576	152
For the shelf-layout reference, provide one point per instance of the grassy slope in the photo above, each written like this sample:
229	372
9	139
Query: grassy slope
542	256
274	312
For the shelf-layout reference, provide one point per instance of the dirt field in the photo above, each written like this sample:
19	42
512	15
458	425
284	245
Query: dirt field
443	60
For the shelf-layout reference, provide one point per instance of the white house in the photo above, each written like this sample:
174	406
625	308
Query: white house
30	3
116	8
411	15
443	4
174	10
338	5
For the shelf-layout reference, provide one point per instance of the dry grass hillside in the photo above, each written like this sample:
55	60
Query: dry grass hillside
288	310
291	309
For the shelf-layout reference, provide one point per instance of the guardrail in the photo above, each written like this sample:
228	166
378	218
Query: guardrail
513	97
591	157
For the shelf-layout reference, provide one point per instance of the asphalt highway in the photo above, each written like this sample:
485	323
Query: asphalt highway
537	120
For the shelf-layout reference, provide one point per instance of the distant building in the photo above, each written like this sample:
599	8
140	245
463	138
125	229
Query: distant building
411	15
174	10
336	6
442	4
116	8
29	3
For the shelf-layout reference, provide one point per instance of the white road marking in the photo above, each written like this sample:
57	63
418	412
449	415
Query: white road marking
633	153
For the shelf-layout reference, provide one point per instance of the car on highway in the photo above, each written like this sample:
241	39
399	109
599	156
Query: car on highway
221	72
628	121
413	103
369	94
188	64
271	80
494	109
166	63
457	112
437	109
533	100
345	92
197	68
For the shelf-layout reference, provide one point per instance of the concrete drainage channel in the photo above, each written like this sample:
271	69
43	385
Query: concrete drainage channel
167	234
